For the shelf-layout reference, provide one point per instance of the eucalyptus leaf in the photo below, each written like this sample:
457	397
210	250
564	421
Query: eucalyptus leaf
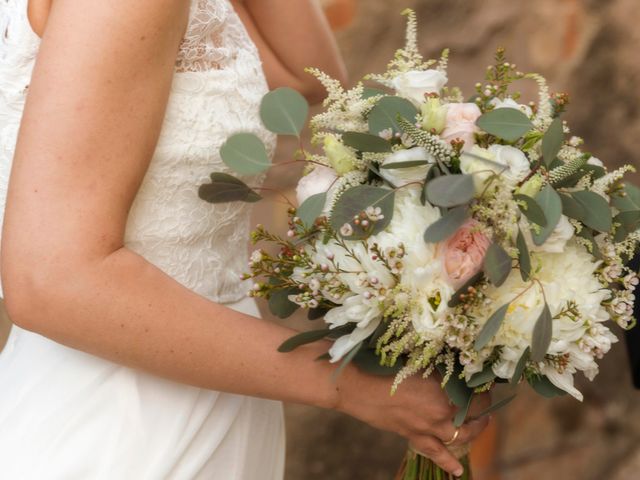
507	123
279	303
303	338
497	264
356	200
461	414
456	298
317	313
588	235
433	172
520	366
365	142
284	111
407	164
630	220
481	378
571	208
226	188
491	328
552	141
551	205
312	208
597	213
451	190
456	388
542	332
495	406
531	209
367	360
524	259
446	225
385	114
369	92
543	386
245	153
630	201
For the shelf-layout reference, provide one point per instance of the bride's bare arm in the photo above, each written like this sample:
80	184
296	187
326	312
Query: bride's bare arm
93	115
292	35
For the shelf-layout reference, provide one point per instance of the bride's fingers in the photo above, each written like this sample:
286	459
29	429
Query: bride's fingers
466	433
432	448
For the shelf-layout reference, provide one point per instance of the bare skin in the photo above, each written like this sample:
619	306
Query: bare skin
67	275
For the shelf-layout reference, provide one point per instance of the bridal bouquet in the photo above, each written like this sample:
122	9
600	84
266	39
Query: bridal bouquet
474	238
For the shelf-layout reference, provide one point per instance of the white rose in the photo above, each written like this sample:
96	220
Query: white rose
402	176
461	123
511	103
471	163
413	85
319	180
517	163
556	242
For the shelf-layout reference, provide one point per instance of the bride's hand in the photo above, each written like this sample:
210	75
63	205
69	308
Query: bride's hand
419	411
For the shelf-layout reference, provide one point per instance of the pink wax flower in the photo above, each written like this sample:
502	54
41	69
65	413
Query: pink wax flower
464	253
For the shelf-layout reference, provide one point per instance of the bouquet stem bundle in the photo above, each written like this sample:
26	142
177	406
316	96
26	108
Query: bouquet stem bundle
417	467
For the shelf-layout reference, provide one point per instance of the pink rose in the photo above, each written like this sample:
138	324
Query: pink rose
464	253
461	123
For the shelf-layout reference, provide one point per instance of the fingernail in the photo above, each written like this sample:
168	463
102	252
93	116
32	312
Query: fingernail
459	472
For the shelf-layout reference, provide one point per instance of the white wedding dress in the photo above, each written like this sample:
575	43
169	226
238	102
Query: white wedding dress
68	415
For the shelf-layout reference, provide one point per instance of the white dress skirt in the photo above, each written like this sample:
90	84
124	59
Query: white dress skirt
67	415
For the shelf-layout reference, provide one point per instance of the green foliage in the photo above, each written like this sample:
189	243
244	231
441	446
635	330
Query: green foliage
522	363
451	190
407	164
446	226
245	153
531	209
490	328
481	378
544	387
367	360
303	338
365	142
386	112
524	259
597	213
551	205
552	141
225	188
312	208
508	124
355	201
542	335
497	264
279	303
284	111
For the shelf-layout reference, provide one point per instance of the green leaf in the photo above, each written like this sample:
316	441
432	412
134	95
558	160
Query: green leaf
571	208
630	201
385	114
542	335
317	313
433	172
284	111
551	205
461	415
365	142
531	209
552	141
312	208
588	235
480	378
407	164
303	339
446	226
367	360
497	264
522	363
507	123
451	190
369	92
629	220
245	153
523	257
543	386
279	303
456	388
358	199
456	298
597	213
491	328
225	188
495	406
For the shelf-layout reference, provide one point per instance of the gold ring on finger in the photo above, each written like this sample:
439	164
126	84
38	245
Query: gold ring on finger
456	434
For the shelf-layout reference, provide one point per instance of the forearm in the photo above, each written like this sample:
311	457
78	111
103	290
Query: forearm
126	310
292	36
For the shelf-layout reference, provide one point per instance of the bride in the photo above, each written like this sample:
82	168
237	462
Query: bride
135	353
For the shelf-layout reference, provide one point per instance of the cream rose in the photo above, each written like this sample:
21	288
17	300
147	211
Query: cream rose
511	103
461	123
516	163
318	181
414	85
402	176
556	242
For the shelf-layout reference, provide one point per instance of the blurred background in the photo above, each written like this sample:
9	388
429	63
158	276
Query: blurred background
587	48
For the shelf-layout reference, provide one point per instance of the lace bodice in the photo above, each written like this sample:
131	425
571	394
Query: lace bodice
217	86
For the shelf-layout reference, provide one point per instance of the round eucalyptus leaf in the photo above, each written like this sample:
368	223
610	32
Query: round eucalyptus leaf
245	153
551	205
507	123
284	111
571	208
451	190
312	208
279	303
226	188
543	386
385	114
355	201
497	264
446	226
597	213
480	378
630	201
